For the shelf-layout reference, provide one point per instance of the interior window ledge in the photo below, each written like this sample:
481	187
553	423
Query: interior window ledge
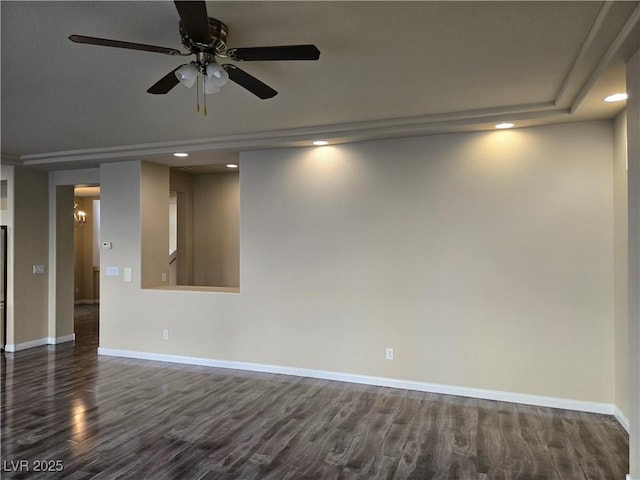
196	288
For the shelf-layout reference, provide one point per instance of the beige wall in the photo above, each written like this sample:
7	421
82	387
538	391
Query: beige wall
633	239
484	259
120	225
181	184
154	205
216	204
64	260
30	247
620	263
208	228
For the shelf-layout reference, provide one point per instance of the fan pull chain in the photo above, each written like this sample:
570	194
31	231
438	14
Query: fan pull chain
204	98
197	93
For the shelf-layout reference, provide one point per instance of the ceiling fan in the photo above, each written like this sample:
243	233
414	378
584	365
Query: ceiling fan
206	38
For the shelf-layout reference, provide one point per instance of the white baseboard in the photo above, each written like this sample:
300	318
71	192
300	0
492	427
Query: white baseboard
65	338
541	401
622	419
16	347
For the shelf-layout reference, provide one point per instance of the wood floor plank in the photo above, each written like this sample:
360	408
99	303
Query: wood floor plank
116	418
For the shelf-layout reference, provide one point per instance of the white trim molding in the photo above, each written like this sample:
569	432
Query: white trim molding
350	131
16	347
65	338
623	35
622	418
537	400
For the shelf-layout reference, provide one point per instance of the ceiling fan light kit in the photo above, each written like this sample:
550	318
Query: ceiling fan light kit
209	87
187	74
206	38
217	74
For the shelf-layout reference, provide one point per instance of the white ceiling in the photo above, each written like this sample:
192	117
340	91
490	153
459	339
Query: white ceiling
386	69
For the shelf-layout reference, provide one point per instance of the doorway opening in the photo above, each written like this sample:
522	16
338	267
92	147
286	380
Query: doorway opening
86	255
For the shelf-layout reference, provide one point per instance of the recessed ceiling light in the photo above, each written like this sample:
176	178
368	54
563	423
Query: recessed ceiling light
616	97
180	154
504	125
320	143
232	165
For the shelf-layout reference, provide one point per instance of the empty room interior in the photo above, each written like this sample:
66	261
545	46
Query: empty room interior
320	240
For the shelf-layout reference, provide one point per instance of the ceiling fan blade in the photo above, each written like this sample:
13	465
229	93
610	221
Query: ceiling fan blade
195	20
251	83
105	42
165	84
283	52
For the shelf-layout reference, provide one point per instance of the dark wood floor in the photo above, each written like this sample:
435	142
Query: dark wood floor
106	418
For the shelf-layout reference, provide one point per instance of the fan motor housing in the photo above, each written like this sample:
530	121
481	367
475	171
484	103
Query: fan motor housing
218	45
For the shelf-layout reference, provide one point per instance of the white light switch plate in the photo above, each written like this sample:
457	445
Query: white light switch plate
127	274
39	269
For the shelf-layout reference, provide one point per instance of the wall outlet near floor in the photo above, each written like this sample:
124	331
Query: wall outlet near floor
165	334
389	353
164	276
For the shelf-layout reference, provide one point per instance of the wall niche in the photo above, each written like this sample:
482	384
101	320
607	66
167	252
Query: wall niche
204	227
